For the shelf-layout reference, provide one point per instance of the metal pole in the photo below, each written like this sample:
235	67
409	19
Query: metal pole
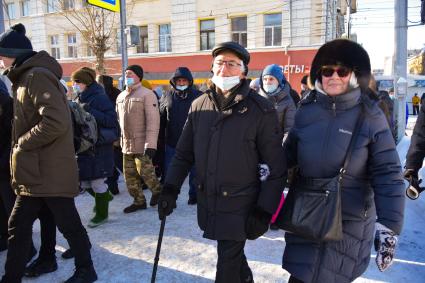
1	17
124	57
400	65
348	29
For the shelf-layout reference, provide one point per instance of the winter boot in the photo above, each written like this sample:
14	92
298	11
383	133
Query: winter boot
40	266
102	207
135	207
83	275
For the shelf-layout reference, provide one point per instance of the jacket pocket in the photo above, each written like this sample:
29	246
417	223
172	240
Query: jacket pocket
25	167
236	199
202	207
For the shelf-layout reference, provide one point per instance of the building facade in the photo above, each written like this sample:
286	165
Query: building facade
173	33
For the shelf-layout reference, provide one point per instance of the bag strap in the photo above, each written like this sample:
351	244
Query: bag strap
353	140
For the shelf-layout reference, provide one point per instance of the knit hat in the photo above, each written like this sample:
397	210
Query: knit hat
84	75
346	53
275	71
14	43
137	70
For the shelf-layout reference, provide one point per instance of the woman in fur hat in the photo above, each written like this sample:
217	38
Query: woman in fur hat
372	194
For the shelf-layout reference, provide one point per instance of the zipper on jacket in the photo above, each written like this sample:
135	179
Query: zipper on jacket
334	106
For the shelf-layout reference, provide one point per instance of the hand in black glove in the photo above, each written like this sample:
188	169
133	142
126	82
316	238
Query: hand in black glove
167	200
257	223
414	189
385	243
410	174
150	152
85	106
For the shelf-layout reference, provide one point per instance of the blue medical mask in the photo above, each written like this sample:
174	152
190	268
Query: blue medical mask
76	89
270	89
129	82
181	87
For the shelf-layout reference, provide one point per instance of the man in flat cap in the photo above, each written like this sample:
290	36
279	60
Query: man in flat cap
230	130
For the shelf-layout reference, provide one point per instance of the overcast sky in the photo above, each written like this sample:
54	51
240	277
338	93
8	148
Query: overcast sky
374	26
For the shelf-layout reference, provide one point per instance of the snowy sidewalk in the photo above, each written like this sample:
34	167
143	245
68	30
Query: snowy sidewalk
124	248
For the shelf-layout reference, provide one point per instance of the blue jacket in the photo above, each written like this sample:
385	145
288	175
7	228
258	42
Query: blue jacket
98	163
175	105
372	189
6	116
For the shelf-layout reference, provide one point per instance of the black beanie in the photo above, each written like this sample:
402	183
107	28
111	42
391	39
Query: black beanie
137	70
14	43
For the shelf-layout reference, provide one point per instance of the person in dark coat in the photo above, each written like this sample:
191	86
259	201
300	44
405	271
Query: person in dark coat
7	197
372	186
174	108
229	131
276	89
43	166
112	92
97	164
304	86
416	153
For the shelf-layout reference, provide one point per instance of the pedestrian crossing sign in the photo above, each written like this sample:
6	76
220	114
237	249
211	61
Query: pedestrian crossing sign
112	5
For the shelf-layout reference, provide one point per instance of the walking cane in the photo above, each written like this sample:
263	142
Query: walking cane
158	246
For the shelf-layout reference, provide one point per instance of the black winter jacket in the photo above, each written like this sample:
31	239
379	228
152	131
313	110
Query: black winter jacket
372	186
226	148
415	155
6	116
98	163
174	107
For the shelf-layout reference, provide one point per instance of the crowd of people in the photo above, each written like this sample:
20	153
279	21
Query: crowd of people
241	143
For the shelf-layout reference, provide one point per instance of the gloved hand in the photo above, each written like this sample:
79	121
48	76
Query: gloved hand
257	223
150	152
410	174
85	106
414	189
385	243
167	200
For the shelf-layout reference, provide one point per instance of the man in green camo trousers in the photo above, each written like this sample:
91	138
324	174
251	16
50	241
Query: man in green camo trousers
138	115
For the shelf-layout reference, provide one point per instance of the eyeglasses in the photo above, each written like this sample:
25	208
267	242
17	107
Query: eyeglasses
229	64
328	71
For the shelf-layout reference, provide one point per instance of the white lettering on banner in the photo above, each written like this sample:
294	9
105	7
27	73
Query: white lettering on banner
297	69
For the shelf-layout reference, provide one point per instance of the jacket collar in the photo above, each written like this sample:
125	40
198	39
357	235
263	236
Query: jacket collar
340	102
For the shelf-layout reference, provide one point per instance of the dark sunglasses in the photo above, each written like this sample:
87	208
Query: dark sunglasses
328	71
77	81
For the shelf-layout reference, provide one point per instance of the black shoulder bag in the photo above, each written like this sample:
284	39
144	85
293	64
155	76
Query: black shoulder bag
312	208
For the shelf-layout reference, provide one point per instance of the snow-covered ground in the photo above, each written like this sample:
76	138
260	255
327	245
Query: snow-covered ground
124	248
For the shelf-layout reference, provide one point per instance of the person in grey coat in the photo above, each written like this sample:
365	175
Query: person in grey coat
276	89
372	187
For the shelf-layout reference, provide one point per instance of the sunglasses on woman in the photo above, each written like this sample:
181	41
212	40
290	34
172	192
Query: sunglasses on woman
328	71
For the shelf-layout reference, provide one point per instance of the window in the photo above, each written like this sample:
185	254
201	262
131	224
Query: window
165	38
68	4
25	8
207	34
11	10
239	34
143	46
72	45
273	29
54	47
51	6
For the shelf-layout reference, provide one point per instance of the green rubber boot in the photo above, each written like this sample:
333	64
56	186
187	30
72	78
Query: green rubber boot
102	208
92	193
